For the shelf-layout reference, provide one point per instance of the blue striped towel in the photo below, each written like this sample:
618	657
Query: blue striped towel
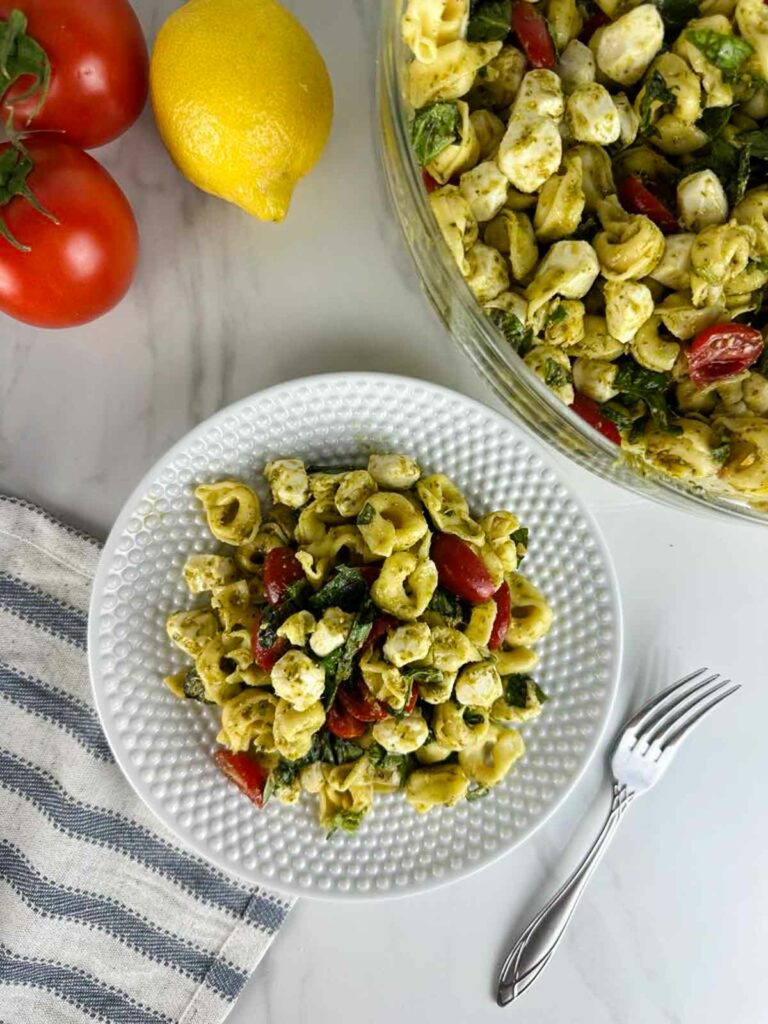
103	917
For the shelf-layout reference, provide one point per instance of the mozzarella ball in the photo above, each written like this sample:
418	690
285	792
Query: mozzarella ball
530	152
485	189
540	95
628	45
701	201
591	115
576	66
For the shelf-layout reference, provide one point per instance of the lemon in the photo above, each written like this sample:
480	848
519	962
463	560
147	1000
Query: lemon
242	99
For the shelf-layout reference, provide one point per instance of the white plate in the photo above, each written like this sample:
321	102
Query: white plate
164	745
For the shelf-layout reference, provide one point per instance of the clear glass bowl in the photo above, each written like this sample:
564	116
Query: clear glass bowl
528	398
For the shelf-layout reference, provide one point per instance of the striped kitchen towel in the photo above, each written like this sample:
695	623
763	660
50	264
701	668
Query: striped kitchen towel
103	917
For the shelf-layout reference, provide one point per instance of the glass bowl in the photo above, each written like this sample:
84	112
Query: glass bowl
529	400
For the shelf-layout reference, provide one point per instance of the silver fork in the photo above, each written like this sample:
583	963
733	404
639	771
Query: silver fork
644	748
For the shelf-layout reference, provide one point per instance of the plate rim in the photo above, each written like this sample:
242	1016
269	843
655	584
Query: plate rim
144	793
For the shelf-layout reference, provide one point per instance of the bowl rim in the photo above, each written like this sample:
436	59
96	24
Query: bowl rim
120	751
496	362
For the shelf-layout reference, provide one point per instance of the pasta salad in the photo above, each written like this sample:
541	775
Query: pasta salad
365	635
598	174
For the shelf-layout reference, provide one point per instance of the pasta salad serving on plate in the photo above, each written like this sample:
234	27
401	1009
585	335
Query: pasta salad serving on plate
365	635
598	174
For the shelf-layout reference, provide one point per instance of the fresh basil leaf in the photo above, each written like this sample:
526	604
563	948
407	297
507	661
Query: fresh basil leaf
331	749
633	379
296	597
516	690
760	261
676	13
619	414
490	21
366	514
520	539
385	761
557	315
586	230
721	49
447	605
194	687
656	90
422	673
555	375
477	793
433	129
345	590
514	330
713	120
722	158
269	789
347	821
358	634
541	697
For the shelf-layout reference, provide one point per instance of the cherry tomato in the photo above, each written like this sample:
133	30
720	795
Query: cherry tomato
248	775
590	411
722	351
99	64
344	725
265	657
281	569
370	573
460	569
429	182
82	263
358	701
503	613
636	198
530	27
379	629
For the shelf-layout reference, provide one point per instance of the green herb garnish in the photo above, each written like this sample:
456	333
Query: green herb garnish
725	51
273	617
477	793
384	761
656	91
446	605
557	315
721	451
345	590
676	13
490	21
473	717
514	330
433	129
635	381
713	120
358	634
366	514
194	687
555	375
347	821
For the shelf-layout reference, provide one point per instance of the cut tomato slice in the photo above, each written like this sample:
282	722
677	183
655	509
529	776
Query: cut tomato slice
265	657
590	412
358	701
281	569
248	775
723	351
344	725
429	182
531	29
460	569
637	198
381	624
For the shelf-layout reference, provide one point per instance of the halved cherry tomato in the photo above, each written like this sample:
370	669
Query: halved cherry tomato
248	775
503	613
411	703
429	182
370	573
530	27
636	198
358	701
722	351
590	411
460	570
379	628
281	569
265	657
344	725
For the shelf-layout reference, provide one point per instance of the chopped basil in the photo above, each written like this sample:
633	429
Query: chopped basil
760	261
514	330
366	515
557	315
447	605
541	697
555	375
516	690
358	634
721	451
194	687
422	673
520	539
490	21
586	229
347	821
619	414
713	120
345	590
725	51
433	129
676	13
275	615
722	158
477	793
635	381
656	91
383	760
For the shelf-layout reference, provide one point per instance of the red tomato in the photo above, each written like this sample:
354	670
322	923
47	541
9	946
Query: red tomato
429	182
98	63
370	573
265	657
281	569
379	629
248	775
344	725
722	351
460	569
79	266
636	198
590	411
358	701
503	613
530	27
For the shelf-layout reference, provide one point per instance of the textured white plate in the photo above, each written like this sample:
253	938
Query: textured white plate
164	745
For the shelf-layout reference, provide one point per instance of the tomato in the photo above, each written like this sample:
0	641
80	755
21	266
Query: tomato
636	198
503	613
429	182
590	411
281	569
531	29
358	701
265	657
344	725
461	570
722	351
99	66
370	573
248	775
78	266
381	624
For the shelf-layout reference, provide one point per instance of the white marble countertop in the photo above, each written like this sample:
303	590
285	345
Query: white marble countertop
674	925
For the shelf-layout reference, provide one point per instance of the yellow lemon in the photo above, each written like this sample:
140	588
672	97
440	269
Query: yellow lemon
242	99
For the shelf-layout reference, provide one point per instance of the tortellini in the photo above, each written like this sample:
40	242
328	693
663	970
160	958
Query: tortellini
293	729
478	684
488	275
628	305
441	785
460	155
232	509
512	232
561	202
405	585
401	735
394	472
457	727
389	522
408	643
248	719
456	222
485	189
688	455
353	491
553	366
630	246
451	73
298	679
651	350
288	482
204	572
569	269
488	762
429	24
718	254
448	508
531	617
701	201
530	152
576	66
191	630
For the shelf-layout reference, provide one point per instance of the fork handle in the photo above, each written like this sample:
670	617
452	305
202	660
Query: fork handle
533	950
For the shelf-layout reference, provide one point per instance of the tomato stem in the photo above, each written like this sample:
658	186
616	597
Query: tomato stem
21	55
15	167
